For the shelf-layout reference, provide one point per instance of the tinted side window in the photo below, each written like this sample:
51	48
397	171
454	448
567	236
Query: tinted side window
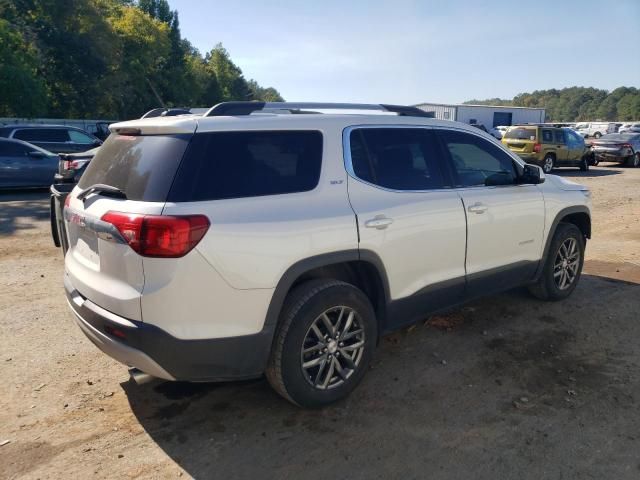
11	149
42	135
223	165
79	137
396	158
558	136
547	136
475	159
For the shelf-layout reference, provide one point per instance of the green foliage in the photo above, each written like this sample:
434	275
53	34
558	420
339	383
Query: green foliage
108	59
578	103
18	75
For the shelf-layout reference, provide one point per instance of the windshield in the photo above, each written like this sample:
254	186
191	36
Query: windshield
521	133
143	167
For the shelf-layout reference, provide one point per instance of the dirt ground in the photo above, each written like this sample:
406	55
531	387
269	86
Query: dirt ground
517	388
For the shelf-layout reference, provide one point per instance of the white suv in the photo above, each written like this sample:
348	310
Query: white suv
258	240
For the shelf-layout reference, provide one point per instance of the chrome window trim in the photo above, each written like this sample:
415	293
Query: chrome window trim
348	162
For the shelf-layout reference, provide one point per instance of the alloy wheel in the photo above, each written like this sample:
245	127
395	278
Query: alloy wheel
548	165
565	266
333	347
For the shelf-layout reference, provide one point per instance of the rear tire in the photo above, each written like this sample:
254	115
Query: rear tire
584	166
310	364
548	163
563	265
597	135
633	161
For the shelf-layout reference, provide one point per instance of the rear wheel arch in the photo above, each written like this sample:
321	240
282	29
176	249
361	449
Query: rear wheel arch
362	269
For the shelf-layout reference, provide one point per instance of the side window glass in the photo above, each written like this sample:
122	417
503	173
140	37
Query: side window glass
547	136
11	149
42	135
558	136
396	158
475	159
79	137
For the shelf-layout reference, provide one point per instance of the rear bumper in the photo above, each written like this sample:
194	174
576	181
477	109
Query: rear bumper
610	157
161	355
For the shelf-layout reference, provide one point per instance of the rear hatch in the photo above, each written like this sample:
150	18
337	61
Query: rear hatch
130	174
521	139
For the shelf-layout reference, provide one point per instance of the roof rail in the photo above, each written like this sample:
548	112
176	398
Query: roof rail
166	112
247	108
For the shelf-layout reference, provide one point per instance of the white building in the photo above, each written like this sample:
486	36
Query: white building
487	115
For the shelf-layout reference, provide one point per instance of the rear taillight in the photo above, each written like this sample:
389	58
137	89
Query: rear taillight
537	147
73	164
626	145
159	235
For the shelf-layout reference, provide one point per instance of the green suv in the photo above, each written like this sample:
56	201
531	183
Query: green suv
548	147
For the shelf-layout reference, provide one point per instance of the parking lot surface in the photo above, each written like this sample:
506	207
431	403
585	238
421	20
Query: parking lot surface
506	387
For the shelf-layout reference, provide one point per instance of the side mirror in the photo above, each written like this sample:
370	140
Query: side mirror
36	154
532	174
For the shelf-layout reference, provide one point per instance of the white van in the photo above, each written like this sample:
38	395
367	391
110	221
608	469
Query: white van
595	129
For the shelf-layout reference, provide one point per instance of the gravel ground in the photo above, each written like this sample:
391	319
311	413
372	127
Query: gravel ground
513	388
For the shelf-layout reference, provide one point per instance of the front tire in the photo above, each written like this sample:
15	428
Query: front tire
597	135
563	265
324	344
548	163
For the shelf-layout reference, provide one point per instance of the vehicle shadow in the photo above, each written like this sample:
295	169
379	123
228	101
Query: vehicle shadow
600	171
429	393
18	209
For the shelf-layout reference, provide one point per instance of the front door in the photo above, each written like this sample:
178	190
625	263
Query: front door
505	220
407	217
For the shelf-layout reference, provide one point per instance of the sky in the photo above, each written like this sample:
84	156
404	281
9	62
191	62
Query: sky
407	52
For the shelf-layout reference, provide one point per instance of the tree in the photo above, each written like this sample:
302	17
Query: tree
21	91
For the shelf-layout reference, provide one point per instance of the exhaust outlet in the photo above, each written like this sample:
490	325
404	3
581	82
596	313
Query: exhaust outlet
140	377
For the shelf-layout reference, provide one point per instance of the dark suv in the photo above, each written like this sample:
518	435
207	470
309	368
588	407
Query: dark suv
55	138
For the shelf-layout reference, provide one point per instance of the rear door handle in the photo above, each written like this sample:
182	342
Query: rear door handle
477	208
379	222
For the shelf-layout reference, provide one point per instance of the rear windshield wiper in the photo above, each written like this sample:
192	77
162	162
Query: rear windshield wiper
106	190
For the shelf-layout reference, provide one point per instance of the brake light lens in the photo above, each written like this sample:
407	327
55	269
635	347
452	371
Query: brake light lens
73	164
537	147
159	235
626	145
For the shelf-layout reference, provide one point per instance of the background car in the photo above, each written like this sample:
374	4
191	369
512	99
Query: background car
595	129
629	128
498	131
548	147
72	165
23	165
618	147
54	138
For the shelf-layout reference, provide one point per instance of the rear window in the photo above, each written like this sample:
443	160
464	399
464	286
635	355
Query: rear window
54	135
143	167
521	133
221	165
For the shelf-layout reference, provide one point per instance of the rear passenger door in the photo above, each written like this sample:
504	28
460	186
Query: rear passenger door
407	216
562	152
505	220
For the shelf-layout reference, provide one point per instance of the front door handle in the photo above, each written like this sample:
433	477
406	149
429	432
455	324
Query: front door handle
379	222
478	208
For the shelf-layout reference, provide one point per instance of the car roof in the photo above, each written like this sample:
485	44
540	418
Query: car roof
39	125
266	121
27	144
